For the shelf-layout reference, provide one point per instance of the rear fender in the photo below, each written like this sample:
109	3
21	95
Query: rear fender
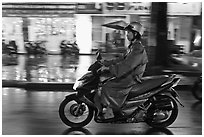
162	102
175	95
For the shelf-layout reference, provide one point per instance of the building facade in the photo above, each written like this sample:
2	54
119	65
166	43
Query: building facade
82	22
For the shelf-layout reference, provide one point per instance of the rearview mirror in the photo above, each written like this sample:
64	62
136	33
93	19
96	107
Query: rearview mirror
98	55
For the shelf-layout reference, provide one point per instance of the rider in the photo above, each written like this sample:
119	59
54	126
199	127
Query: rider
128	70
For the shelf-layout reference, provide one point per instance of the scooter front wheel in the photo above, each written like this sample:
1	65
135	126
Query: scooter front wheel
73	113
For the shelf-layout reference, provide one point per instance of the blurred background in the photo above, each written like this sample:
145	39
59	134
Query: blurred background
82	23
57	41
172	31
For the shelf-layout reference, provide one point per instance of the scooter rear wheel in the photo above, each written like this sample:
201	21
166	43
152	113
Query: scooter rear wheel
169	112
73	113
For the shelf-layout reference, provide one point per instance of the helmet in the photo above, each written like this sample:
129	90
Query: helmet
135	27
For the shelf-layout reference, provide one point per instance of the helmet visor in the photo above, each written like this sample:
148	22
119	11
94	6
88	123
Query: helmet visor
134	27
128	27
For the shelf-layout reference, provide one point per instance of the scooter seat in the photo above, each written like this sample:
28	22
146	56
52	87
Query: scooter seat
148	83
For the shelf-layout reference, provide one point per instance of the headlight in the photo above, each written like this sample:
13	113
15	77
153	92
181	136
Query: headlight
77	84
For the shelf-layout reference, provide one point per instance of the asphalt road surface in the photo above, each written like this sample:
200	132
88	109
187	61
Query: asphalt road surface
36	113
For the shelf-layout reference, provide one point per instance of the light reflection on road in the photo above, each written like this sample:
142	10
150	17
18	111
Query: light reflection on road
36	113
45	68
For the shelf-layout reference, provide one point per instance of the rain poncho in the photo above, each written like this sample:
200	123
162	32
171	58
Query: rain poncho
128	70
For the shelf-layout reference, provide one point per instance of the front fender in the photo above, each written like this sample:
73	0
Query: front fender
74	95
81	99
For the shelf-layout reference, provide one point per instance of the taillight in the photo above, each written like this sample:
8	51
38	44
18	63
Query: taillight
177	80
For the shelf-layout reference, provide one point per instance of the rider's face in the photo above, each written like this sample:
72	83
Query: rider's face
129	35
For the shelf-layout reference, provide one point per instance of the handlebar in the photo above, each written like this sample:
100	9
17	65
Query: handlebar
100	62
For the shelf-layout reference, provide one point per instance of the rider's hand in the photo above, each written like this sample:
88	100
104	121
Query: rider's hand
104	68
105	71
105	63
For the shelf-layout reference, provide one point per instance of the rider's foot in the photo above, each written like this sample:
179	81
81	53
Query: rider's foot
118	114
100	116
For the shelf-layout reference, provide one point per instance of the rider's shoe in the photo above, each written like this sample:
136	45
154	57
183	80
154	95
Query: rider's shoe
100	116
118	114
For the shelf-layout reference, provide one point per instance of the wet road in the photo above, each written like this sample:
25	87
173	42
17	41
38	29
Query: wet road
47	68
52	68
36	113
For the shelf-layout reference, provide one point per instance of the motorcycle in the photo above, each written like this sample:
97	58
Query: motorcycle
37	47
68	48
197	89
11	48
153	101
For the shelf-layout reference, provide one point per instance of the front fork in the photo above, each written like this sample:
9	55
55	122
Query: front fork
80	99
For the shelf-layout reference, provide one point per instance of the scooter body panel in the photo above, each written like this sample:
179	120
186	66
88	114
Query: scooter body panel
148	84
